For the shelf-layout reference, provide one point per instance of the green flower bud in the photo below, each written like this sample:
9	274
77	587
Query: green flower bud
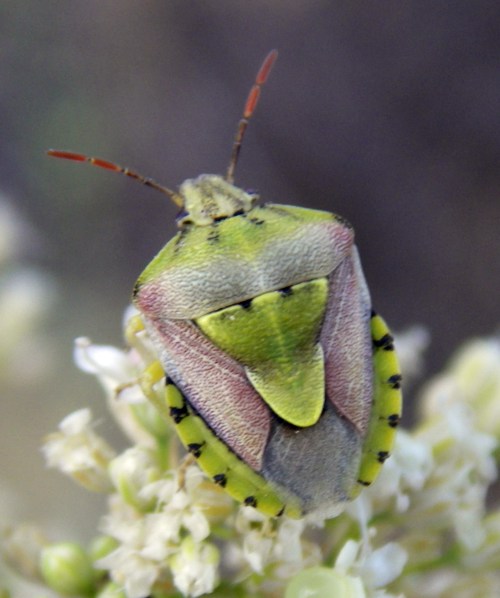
67	568
318	582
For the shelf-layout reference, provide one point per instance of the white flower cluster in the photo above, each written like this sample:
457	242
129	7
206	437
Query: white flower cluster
423	528
171	536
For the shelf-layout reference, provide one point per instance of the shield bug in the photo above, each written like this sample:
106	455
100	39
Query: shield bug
280	379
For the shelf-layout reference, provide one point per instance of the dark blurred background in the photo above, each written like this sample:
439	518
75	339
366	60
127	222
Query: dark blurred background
385	112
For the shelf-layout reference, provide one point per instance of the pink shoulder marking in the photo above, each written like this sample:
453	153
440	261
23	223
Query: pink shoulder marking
215	385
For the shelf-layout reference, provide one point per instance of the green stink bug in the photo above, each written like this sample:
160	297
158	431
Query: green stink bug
280	379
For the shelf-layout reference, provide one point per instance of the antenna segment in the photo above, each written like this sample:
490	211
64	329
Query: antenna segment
249	110
175	197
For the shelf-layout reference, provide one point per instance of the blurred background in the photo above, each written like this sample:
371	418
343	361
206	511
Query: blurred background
385	112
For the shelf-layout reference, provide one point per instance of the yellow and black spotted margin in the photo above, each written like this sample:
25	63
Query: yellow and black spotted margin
387	404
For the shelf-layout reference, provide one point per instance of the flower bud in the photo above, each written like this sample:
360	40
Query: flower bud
318	582
67	568
195	566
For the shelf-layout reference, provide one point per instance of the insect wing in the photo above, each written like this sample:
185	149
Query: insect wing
215	386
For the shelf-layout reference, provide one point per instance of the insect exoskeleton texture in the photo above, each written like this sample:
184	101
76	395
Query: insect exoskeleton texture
280	379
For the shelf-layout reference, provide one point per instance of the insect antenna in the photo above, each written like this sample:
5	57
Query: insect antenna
175	197
249	109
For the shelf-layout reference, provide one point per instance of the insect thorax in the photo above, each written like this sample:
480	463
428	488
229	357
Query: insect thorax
210	197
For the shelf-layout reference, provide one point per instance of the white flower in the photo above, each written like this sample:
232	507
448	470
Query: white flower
473	377
292	551
79	452
131	571
127	567
172	537
21	548
118	371
288	546
376	567
383	565
112	366
275	547
181	511
404	473
464	468
257	532
133	470
195	567
488	554
359	572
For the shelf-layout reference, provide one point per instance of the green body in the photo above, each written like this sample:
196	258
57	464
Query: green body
281	381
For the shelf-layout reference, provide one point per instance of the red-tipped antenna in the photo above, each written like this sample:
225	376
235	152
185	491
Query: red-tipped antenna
248	111
175	197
